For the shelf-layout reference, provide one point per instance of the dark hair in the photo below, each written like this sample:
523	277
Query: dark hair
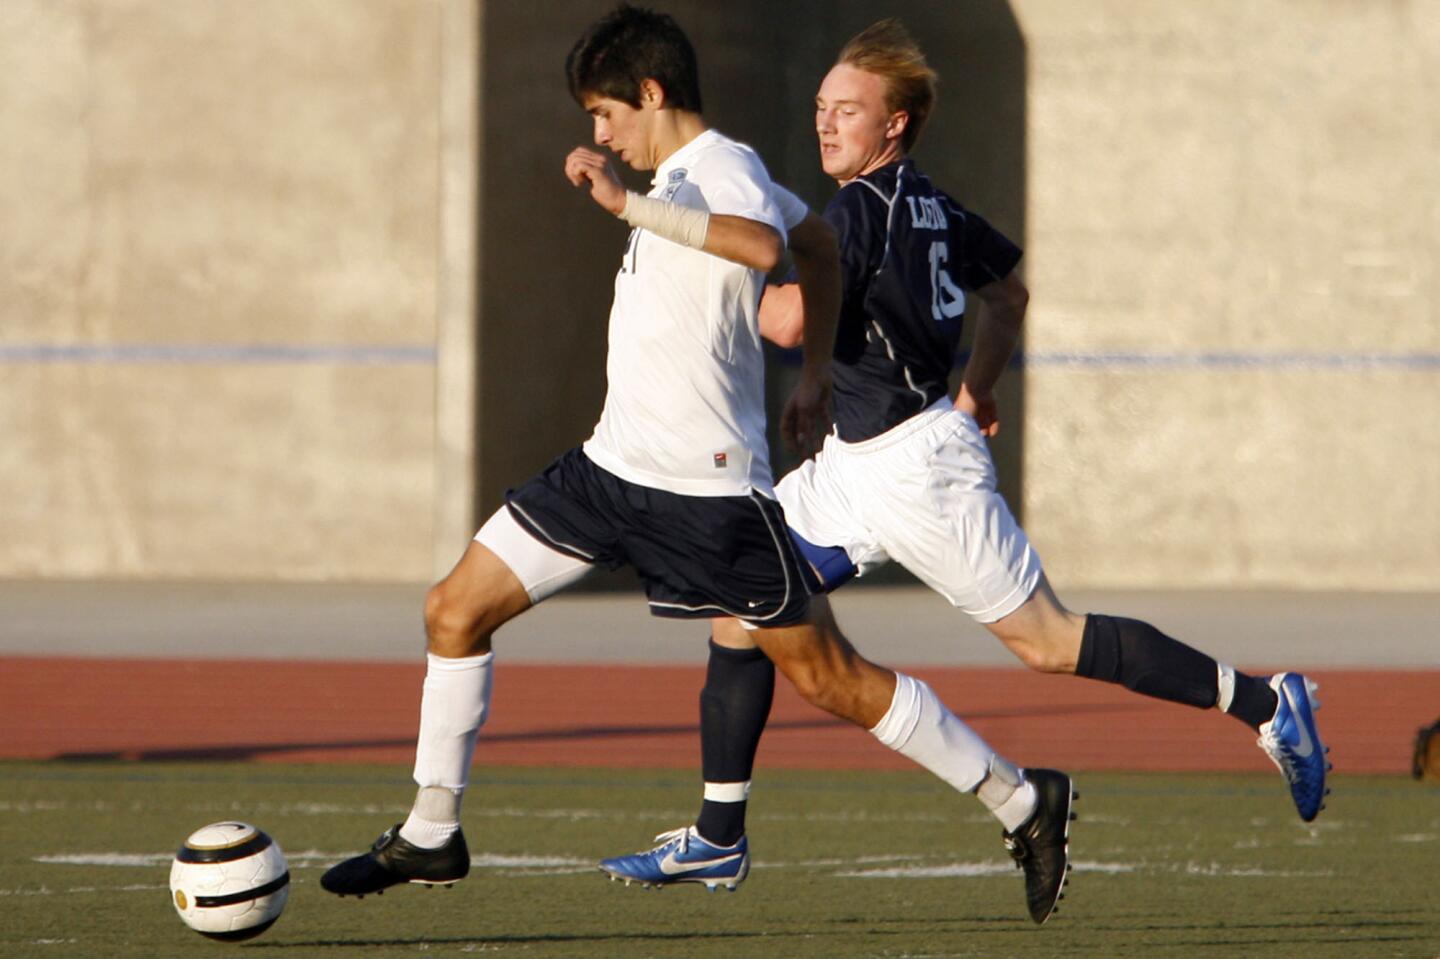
887	50
627	46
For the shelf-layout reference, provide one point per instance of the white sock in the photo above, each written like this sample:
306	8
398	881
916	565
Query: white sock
453	707
727	792
434	818
1008	794
918	726
1225	684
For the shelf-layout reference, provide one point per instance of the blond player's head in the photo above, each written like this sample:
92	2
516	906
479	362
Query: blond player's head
874	102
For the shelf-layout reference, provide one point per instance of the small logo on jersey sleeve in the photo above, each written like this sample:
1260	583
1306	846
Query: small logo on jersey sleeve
676	181
720	461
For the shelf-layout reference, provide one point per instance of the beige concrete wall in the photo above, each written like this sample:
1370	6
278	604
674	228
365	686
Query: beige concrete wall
213	174
1252	180
1245	178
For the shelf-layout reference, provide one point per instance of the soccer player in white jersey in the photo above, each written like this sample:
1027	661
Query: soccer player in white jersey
675	480
907	475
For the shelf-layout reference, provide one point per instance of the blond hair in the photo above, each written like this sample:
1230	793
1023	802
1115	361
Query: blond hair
886	49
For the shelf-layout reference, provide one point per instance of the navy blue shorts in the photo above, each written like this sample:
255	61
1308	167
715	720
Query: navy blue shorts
697	556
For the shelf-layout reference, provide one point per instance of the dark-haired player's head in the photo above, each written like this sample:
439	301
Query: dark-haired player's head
874	102
631	71
628	46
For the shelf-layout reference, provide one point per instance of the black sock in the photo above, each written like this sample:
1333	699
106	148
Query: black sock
739	687
1254	701
1139	657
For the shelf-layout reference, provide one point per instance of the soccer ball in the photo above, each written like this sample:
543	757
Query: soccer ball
229	881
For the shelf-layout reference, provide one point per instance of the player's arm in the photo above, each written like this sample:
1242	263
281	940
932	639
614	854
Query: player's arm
806	417
735	238
805	311
782	315
997	330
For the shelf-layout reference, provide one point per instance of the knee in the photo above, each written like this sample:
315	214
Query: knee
829	683
451	628
1043	659
1041	656
809	681
1047	642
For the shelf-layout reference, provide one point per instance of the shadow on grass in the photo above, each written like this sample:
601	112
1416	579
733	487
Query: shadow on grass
246	751
637	937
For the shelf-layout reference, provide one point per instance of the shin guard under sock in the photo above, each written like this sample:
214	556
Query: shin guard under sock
1139	657
739	688
454	704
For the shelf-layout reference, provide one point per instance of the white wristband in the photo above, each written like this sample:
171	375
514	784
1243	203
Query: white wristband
676	223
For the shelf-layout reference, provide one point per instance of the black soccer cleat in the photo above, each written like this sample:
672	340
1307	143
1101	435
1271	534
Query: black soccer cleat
392	861
1041	846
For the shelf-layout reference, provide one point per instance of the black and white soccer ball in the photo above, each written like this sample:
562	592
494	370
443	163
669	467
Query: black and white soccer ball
229	881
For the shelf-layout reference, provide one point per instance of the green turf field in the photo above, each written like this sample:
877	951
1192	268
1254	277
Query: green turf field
847	865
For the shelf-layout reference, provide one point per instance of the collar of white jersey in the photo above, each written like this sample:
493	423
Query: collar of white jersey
683	155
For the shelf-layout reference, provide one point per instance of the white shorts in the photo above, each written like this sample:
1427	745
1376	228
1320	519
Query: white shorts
923	494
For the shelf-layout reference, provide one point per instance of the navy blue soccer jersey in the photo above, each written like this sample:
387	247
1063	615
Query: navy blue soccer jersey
908	253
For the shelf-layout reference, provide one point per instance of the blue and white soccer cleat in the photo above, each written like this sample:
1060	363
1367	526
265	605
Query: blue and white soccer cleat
1292	742
682	856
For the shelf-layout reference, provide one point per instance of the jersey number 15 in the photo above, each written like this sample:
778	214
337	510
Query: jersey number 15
947	300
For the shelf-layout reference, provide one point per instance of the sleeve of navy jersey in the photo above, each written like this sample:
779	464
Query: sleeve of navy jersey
858	217
987	254
908	254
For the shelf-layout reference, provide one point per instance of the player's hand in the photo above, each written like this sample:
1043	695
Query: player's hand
806	417
982	408
585	166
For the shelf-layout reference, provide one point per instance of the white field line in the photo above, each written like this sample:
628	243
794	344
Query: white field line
864	867
1216	869
107	890
107	859
969	870
305	859
832	861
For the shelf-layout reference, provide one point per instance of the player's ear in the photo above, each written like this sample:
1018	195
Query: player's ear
652	94
899	120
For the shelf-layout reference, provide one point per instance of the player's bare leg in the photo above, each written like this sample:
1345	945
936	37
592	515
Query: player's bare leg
905	714
1042	633
462	612
1049	638
464	609
822	665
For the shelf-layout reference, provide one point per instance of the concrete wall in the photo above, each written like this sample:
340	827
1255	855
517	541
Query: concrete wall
209	207
1234	250
237	236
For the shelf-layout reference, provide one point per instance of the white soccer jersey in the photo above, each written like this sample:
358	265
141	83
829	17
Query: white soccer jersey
684	409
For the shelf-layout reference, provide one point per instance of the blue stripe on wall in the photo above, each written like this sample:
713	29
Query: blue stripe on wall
1230	360
1120	362
187	353
372	355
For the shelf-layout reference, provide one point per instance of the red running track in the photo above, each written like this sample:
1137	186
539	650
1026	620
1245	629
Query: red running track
642	716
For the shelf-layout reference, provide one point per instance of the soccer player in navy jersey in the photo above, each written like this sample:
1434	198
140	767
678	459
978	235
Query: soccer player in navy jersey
907	475
674	481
